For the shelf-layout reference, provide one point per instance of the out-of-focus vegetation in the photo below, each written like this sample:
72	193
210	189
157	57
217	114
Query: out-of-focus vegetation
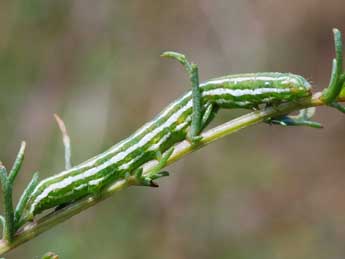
266	192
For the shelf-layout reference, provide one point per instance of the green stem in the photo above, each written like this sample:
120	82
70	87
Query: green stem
3	223
23	199
33	229
6	187
330	94
17	163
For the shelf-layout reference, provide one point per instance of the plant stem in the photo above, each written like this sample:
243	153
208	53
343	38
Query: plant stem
183	148
8	224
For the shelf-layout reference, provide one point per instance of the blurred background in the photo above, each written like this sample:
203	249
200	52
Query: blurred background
264	192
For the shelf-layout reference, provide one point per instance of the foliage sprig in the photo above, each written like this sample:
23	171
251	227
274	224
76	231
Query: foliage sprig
15	233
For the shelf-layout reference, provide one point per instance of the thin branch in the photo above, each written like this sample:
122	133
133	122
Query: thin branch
33	229
3	223
6	191
17	163
7	181
66	141
23	199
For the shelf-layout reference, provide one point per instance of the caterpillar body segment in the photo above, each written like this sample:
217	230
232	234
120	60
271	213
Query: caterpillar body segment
162	133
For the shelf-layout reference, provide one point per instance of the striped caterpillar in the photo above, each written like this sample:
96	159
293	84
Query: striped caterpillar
163	132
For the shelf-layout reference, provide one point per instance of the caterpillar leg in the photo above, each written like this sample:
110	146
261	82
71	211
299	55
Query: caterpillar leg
302	119
197	115
155	173
64	205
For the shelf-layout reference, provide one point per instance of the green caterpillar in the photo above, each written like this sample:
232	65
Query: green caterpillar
162	133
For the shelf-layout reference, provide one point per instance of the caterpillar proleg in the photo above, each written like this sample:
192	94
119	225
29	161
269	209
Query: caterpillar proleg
171	126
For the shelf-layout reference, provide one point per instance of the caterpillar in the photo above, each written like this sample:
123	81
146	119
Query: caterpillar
171	126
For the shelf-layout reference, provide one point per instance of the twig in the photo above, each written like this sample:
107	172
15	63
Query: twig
331	97
66	141
7	181
33	229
